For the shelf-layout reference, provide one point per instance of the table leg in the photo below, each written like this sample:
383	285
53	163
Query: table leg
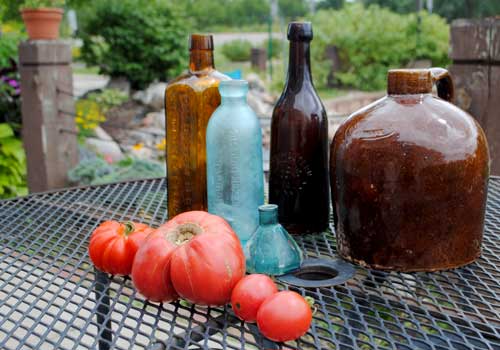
103	310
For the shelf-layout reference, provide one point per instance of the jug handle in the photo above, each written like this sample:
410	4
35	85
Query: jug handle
444	83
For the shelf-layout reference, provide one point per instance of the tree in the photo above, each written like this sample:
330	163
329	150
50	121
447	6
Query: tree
293	9
141	41
445	8
330	4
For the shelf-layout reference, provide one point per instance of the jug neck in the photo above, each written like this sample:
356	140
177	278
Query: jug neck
268	214
201	55
420	81
409	82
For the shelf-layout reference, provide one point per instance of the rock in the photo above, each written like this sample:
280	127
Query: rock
155	120
147	136
101	134
260	108
255	83
119	83
153	96
121	119
142	153
106	148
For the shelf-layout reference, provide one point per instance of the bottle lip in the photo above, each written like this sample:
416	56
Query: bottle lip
268	207
300	31
201	42
234	83
409	81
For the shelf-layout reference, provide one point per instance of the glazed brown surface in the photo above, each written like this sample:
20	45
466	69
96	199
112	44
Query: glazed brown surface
189	102
298	178
409	181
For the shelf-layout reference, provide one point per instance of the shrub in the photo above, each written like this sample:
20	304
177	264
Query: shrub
90	111
33	4
237	50
372	40
10	92
10	97
142	41
277	47
97	171
12	164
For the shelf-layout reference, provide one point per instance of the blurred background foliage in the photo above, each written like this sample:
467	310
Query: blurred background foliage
146	41
370	40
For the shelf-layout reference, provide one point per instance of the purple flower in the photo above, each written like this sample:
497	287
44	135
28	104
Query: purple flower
13	83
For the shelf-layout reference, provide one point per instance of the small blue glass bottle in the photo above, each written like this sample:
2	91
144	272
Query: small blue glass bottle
235	183
271	250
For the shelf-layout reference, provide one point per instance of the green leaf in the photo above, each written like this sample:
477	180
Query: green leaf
5	131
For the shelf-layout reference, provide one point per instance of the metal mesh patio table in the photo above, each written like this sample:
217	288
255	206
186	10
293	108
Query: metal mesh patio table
52	298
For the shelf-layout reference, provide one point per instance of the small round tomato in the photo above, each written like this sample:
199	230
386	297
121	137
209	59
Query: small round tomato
249	293
284	316
113	245
151	269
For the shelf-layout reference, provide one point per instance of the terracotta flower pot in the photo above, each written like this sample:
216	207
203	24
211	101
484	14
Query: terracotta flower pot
42	23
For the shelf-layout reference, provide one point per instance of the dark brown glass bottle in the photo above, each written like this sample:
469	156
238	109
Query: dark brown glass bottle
298	178
189	102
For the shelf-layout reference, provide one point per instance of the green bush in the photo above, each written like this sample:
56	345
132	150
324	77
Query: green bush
12	164
372	40
33	4
108	98
97	171
142	41
237	50
277	47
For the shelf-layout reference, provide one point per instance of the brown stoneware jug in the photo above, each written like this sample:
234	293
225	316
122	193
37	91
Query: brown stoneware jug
409	176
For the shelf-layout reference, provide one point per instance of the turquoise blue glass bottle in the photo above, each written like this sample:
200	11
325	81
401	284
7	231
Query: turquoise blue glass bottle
235	183
271	250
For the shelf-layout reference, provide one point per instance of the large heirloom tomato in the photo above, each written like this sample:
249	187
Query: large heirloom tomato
151	268
209	260
113	245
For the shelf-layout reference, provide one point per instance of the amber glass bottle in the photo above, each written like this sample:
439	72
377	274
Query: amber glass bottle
298	177
189	102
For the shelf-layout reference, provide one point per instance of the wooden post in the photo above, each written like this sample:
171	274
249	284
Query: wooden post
48	111
332	54
258	58
475	51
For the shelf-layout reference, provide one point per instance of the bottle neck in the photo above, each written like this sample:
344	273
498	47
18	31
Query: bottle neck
233	100
268	214
201	61
299	65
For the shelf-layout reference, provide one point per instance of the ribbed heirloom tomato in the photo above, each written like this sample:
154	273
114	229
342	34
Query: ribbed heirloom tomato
284	316
151	269
249	293
203	259
113	245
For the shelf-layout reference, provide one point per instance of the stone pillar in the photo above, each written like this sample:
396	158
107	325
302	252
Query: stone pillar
48	110
258	58
475	51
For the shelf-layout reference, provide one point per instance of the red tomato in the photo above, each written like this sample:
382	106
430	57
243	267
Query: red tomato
113	245
151	268
249	293
209	260
284	316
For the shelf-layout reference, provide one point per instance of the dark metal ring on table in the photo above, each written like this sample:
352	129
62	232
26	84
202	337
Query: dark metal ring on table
316	273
